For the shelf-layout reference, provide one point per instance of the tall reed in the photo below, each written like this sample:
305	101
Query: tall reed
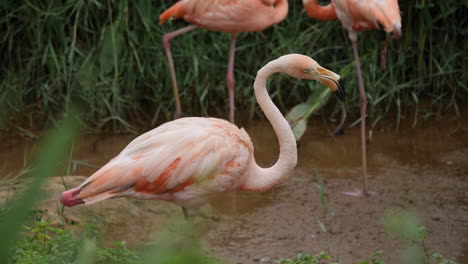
107	56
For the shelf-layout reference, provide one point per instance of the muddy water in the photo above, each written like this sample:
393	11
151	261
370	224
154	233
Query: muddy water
423	169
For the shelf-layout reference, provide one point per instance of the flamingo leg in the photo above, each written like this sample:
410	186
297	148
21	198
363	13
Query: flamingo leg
231	85
184	211
230	77
383	52
363	104
167	47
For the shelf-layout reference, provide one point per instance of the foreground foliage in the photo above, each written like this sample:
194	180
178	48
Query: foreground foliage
107	56
44	243
47	244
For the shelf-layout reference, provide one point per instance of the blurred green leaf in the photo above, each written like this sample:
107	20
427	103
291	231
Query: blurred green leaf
299	128
402	224
299	114
87	253
322	226
178	247
53	150
421	233
413	255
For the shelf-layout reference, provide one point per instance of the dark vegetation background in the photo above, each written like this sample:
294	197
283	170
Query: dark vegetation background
107	58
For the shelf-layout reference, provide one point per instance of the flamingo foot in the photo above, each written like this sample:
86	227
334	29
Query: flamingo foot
360	193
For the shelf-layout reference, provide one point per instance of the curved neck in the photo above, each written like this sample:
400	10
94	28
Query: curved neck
281	11
319	12
259	179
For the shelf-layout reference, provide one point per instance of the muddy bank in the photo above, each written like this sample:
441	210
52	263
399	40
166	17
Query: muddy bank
423	170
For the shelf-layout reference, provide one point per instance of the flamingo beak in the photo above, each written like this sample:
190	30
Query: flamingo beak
333	81
340	93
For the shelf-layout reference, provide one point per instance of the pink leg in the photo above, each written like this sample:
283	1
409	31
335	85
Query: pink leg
363	103
383	52
230	77
167	47
231	85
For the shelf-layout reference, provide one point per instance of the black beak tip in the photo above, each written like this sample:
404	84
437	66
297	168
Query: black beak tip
340	92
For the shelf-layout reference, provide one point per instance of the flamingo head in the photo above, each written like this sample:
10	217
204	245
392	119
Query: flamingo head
69	198
304	67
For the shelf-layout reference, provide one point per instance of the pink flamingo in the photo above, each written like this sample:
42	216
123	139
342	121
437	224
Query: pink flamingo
189	160
358	16
223	16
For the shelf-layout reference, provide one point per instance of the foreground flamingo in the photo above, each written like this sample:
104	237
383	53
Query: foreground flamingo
358	16
224	16
189	160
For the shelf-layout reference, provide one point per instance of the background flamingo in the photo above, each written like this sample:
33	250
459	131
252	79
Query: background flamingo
358	16
224	16
189	160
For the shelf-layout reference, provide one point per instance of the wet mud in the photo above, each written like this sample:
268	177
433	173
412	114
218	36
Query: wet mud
422	169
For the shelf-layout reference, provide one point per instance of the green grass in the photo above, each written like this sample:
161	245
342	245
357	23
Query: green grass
45	243
107	57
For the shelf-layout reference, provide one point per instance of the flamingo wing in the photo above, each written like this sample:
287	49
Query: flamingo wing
225	11
220	9
368	14
224	15
206	154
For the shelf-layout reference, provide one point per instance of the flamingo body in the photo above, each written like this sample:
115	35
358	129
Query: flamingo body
368	14
189	160
360	15
184	161
231	16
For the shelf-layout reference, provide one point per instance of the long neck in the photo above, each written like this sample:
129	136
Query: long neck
259	179
319	12
281	11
